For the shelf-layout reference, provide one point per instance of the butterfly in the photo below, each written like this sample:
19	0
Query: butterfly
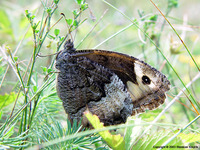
111	85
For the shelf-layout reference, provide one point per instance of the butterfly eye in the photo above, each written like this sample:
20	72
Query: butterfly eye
146	80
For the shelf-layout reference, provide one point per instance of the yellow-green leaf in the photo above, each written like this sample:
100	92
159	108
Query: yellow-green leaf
116	142
189	138
7	99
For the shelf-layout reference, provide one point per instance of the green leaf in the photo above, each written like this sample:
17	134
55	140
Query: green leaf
132	132
69	21
15	58
37	31
114	141
61	38
26	11
153	18
56	1
75	23
79	1
32	17
189	138
34	88
49	10
75	13
172	3
51	36
157	139
7	99
5	22
56	32
28	15
84	6
49	70
34	26
44	69
1	112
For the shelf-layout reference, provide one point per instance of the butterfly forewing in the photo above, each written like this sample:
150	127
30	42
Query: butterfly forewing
111	85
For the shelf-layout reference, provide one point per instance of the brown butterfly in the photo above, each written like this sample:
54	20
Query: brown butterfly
111	85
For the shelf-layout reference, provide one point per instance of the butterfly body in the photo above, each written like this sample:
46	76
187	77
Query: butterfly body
111	85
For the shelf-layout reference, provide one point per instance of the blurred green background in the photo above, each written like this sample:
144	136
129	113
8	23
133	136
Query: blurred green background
15	29
109	29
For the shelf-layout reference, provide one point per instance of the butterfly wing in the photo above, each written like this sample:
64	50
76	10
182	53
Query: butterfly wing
145	84
111	85
84	84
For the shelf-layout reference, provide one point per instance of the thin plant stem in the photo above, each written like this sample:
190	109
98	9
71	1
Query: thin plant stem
180	131
134	23
114	35
170	104
92	28
177	35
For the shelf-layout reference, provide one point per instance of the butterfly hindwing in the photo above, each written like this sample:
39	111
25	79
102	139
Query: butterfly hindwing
111	85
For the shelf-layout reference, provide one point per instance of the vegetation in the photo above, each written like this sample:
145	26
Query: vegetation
159	32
